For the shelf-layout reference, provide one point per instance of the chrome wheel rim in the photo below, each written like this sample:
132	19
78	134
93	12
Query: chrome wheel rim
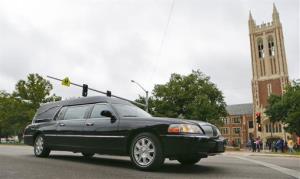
144	151
39	145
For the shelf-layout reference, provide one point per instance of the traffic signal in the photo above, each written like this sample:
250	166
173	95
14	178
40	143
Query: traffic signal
258	119
85	88
108	93
259	127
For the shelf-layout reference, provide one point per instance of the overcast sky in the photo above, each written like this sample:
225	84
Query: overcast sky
107	43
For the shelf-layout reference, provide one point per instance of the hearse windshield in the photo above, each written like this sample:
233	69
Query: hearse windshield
125	110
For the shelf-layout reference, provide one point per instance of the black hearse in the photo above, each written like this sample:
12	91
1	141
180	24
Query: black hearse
106	125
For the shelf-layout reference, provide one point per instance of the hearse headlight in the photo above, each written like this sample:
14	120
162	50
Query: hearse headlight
184	128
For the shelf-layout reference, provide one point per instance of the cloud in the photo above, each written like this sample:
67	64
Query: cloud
107	43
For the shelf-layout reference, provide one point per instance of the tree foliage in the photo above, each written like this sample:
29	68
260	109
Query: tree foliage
15	114
286	108
17	109
35	89
191	96
274	109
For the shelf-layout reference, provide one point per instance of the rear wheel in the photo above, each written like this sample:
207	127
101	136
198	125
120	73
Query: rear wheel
40	148
146	152
189	160
87	154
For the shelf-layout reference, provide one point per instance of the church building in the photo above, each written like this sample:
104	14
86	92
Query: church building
270	76
269	69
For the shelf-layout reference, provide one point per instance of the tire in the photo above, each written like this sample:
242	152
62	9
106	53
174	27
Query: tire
146	152
40	147
87	154
189	160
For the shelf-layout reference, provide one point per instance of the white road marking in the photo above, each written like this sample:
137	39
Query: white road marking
286	171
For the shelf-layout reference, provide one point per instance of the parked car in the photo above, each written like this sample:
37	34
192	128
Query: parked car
106	125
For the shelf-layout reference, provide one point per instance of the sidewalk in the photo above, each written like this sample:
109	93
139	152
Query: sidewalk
262	153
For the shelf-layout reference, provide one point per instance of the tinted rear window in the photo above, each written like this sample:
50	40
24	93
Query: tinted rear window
46	113
75	112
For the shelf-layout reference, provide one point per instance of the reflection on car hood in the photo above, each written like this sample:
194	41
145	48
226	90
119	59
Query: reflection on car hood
183	121
171	120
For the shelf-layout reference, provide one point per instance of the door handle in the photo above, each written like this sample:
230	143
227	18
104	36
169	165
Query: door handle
89	124
61	124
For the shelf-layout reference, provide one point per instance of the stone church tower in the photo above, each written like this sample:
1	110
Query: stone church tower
269	68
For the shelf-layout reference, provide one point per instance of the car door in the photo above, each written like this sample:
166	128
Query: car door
102	131
70	126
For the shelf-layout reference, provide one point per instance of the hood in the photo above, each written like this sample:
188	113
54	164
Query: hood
181	121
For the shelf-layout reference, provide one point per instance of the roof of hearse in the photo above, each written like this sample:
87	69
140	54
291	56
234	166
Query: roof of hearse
48	110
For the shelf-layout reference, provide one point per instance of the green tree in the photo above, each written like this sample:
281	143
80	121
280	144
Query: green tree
36	90
17	110
286	108
3	103
191	96
275	110
151	109
15	115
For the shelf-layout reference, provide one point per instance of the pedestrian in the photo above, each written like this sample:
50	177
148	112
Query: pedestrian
291	146
249	145
269	143
285	146
274	149
282	145
253	145
257	144
278	145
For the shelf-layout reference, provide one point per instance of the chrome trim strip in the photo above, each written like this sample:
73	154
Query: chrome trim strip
171	135
92	136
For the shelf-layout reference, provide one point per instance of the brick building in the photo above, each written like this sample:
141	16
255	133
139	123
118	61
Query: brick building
269	69
270	76
238	126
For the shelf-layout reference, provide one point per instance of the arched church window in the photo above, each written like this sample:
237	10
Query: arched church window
260	45
271	46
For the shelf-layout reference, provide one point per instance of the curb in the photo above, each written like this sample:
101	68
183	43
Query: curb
261	154
275	155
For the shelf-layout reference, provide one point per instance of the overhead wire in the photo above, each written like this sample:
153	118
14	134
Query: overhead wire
156	59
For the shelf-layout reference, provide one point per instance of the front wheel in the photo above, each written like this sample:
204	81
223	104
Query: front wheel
40	148
146	152
189	160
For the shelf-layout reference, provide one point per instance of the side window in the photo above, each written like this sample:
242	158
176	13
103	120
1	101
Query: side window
60	114
75	112
98	108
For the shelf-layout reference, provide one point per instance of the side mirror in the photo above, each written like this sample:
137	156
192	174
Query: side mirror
106	113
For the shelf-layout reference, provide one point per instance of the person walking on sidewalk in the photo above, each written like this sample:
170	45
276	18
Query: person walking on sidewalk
291	145
249	145
280	145
274	149
257	144
253	145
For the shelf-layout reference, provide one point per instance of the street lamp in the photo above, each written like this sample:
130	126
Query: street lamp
147	98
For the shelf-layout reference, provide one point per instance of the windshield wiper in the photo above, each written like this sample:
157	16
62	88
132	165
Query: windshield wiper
129	116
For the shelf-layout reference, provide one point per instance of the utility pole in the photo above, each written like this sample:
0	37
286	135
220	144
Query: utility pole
147	95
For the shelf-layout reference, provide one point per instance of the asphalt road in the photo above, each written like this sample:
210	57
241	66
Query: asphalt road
19	162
